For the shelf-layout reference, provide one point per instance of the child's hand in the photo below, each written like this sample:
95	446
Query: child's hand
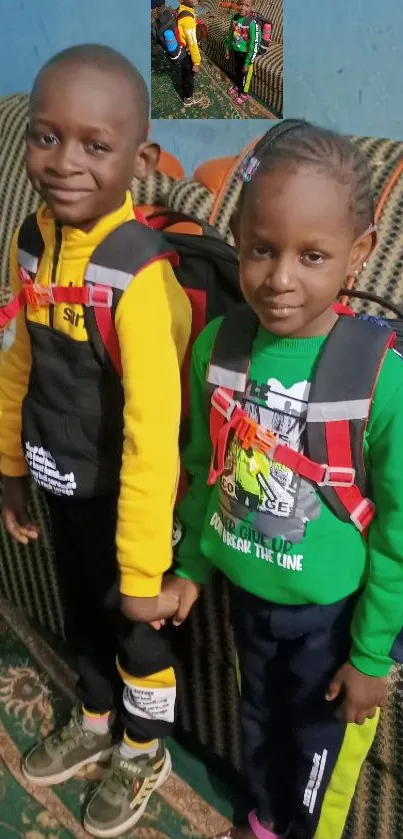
196	68
149	609
227	55
186	592
245	70
361	695
15	514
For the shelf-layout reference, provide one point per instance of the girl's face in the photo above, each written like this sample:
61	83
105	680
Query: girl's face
244	7
297	247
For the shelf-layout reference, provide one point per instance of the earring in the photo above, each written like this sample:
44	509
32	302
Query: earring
358	271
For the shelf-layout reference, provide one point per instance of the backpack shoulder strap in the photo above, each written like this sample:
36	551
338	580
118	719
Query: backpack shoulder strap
183	14
230	357
227	378
30	245
121	255
339	407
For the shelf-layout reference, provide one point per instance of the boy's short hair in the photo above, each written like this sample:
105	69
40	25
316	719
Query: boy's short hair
108	60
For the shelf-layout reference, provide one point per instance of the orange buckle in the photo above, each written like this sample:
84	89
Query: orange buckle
37	295
266	441
252	435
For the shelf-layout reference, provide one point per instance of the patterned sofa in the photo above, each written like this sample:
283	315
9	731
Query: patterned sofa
209	708
267	82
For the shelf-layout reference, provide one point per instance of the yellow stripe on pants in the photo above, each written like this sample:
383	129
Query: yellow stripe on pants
248	79
357	742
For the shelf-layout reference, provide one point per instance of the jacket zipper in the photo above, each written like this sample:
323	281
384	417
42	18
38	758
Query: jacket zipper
56	255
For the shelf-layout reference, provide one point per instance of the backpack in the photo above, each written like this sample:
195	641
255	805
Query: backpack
338	408
262	46
165	32
205	265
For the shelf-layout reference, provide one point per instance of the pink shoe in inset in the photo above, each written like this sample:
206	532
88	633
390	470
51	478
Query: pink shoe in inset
233	91
258	829
243	97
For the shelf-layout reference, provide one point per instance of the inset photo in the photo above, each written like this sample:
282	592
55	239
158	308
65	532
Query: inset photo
217	59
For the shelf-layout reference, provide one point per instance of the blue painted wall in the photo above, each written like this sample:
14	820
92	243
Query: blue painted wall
342	65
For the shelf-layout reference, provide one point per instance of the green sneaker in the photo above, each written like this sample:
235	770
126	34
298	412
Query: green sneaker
120	800
64	752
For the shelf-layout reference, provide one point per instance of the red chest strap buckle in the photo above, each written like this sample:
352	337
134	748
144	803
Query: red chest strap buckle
38	296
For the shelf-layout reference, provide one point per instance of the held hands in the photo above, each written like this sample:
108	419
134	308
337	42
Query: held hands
186	594
227	55
149	609
361	695
245	70
196	68
15	513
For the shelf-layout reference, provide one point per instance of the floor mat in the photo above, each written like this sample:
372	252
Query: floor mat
36	690
211	83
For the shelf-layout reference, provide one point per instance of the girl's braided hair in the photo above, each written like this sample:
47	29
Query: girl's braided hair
294	142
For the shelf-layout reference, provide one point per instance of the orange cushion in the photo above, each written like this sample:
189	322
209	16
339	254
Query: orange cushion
212	173
170	165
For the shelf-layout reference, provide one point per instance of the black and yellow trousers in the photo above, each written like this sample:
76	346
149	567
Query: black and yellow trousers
242	80
121	665
301	762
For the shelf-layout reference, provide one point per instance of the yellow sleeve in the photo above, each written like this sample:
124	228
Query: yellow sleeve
15	366
188	36
153	323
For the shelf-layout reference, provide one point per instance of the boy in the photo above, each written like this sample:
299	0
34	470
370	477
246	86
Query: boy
95	443
192	61
243	41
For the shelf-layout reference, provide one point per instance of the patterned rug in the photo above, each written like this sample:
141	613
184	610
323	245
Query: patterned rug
211	82
36	692
36	689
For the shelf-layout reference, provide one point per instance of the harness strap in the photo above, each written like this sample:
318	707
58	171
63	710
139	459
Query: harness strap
98	290
227	416
38	296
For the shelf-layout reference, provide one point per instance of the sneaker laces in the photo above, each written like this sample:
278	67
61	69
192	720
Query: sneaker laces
69	735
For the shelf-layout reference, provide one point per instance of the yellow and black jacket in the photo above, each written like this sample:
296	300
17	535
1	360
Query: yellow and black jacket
187	32
80	429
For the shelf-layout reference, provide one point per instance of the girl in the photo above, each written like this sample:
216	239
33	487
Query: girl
315	606
243	42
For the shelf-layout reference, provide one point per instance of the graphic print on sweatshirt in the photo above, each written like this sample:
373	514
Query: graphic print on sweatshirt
240	33
274	499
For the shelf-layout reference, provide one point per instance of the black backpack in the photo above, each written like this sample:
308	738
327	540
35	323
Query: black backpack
165	21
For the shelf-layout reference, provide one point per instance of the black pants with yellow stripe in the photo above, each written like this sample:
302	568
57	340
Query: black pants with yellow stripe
301	763
121	665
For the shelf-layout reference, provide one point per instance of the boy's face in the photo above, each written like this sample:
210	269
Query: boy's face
191	3
245	7
297	247
84	144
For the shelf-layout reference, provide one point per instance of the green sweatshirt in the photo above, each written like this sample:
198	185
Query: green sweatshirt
243	38
268	530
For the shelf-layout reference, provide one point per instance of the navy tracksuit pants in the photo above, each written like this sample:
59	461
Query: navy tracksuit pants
301	763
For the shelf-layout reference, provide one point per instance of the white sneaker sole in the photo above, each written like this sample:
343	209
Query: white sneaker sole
53	780
118	831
